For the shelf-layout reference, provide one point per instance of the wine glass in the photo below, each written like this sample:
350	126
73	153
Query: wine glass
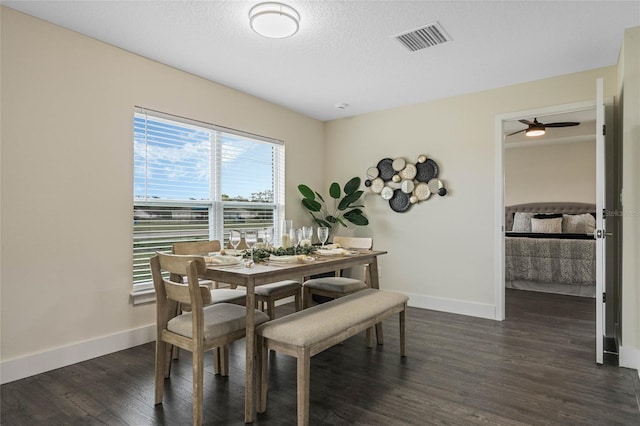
268	236
307	234
295	235
251	238
323	234
234	239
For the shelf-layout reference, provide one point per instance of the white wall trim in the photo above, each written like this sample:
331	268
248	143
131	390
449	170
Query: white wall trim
630	357
29	365
452	306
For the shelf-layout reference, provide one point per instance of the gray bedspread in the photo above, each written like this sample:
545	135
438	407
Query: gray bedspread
550	260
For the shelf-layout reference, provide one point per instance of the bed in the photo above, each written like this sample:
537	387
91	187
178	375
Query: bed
549	247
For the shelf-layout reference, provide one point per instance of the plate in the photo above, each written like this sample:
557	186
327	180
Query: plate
330	252
372	172
435	185
231	252
422	191
222	260
398	164
407	186
400	201
409	172
426	171
385	166
376	185
386	193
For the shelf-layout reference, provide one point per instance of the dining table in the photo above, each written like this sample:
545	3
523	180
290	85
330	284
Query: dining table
252	275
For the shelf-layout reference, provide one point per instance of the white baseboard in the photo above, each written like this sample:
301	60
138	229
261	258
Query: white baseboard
630	357
452	306
30	365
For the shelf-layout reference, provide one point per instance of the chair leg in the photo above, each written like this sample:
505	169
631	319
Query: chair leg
306	297
217	368
271	307
198	381
303	374
297	301
161	359
403	332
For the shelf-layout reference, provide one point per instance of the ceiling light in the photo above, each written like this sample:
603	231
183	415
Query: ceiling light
274	20
535	130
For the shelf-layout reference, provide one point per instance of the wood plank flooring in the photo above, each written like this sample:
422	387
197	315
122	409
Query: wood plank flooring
535	368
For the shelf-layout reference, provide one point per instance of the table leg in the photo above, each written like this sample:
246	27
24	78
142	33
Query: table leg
249	388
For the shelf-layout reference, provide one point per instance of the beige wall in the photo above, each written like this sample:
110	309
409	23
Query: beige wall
629	104
67	114
550	172
441	252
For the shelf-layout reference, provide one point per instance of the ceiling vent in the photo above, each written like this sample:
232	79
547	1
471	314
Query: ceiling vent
431	35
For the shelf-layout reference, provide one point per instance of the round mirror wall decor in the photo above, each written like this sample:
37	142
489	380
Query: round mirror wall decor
404	183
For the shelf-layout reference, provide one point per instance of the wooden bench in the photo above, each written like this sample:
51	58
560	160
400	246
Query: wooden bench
311	331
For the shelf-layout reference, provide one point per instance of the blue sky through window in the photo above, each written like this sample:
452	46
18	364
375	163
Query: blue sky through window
174	161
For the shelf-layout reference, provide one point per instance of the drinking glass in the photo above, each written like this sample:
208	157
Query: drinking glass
307	235
295	235
251	238
323	234
234	239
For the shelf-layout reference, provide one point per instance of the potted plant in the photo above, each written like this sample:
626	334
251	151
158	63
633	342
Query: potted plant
345	207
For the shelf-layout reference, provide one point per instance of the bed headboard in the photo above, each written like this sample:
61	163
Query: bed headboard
546	207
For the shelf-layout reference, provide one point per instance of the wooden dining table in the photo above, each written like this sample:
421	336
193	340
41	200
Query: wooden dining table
269	272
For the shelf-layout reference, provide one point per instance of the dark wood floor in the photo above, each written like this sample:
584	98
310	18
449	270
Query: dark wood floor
535	368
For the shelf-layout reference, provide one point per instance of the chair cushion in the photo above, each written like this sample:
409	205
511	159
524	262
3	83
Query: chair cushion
228	295
219	320
280	287
335	284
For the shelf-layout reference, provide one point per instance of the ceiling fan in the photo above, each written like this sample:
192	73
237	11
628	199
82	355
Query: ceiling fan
536	128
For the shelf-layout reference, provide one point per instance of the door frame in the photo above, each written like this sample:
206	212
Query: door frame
499	291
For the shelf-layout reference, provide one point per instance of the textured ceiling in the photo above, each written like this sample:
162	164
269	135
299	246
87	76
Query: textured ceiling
345	51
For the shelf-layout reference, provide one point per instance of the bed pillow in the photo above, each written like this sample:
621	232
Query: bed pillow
522	222
578	223
547	226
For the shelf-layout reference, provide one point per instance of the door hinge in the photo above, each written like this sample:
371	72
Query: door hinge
604	297
604	130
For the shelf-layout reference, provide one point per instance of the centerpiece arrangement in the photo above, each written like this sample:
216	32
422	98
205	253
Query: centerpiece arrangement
263	254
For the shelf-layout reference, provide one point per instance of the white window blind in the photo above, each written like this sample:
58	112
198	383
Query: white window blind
195	181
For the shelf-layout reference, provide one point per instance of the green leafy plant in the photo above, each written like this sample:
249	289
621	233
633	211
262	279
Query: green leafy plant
345	208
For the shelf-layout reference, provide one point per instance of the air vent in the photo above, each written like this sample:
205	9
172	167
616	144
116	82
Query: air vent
431	35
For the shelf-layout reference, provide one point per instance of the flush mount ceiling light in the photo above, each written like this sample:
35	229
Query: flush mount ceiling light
274	20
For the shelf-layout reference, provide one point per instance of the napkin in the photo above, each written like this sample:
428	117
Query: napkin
221	260
290	259
330	252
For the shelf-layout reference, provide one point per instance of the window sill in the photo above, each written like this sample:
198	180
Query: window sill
145	295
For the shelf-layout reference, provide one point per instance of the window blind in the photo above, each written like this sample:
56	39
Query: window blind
196	181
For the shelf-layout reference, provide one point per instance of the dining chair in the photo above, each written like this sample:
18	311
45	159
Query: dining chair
203	248
198	331
234	295
337	286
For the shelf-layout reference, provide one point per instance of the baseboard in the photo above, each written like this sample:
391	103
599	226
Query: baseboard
630	357
452	306
30	365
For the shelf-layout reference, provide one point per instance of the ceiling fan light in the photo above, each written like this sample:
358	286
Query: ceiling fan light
533	131
274	20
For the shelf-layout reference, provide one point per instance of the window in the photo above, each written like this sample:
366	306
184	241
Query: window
194	180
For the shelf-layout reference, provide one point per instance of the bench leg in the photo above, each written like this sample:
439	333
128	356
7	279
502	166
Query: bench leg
304	367
369	335
379	335
403	331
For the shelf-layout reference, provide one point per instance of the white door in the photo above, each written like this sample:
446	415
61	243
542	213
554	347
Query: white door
600	233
